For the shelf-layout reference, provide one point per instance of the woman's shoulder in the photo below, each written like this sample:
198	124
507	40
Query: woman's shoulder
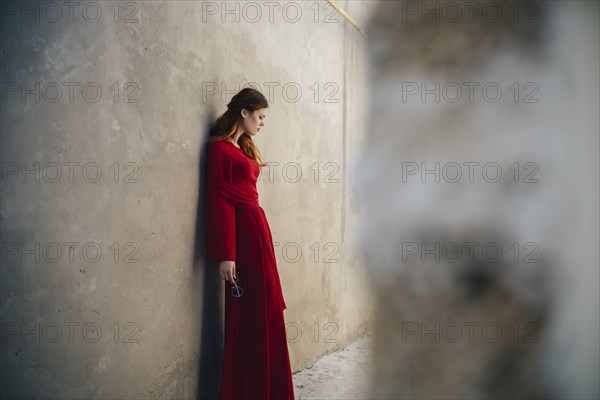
220	149
218	142
217	145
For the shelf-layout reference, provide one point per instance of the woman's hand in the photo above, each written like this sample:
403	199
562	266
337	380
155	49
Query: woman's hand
228	272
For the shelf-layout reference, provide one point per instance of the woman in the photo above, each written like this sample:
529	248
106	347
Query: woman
256	361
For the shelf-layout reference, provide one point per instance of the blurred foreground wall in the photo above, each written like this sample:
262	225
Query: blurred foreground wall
480	183
105	111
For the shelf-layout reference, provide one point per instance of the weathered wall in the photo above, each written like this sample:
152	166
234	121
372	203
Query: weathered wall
143	317
480	182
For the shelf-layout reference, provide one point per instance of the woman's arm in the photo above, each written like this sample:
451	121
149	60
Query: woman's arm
220	222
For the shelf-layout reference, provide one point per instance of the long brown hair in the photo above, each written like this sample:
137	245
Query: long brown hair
227	124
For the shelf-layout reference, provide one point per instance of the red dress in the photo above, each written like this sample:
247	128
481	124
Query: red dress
256	363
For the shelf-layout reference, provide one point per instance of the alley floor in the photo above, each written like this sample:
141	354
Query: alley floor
341	375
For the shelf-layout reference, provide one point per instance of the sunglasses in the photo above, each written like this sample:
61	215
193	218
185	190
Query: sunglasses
236	291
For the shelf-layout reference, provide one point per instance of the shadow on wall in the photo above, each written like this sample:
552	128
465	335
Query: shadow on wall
211	340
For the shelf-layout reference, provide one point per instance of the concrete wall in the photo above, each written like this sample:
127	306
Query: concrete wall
142	319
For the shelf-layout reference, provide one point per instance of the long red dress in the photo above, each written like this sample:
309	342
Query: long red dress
256	364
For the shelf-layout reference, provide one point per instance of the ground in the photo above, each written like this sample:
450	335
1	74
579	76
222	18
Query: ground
341	375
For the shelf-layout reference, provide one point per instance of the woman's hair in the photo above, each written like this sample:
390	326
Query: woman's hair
226	125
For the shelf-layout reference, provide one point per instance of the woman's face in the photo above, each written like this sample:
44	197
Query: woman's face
253	122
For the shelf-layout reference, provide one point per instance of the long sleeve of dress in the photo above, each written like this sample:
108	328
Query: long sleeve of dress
220	223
